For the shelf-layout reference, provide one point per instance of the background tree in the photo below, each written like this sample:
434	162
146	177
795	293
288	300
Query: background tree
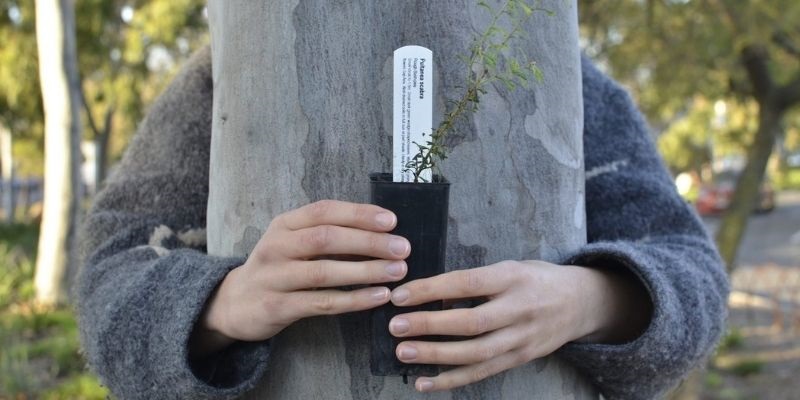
20	103
128	52
58	72
302	111
669	52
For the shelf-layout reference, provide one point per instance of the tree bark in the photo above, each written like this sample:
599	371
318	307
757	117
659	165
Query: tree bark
748	187
9	200
773	101
302	112
101	143
58	70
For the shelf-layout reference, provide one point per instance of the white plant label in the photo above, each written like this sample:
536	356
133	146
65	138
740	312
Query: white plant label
413	108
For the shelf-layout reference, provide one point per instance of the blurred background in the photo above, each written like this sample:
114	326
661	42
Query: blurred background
718	80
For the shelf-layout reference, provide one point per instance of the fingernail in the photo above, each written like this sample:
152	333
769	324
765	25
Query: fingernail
380	294
399	326
424	385
407	353
398	246
400	295
385	219
397	268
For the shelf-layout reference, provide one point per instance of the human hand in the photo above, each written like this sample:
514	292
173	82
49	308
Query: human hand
533	308
275	286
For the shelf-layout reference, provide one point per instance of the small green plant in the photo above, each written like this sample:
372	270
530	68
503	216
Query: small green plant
714	380
39	356
78	387
17	250
484	66
747	367
732	340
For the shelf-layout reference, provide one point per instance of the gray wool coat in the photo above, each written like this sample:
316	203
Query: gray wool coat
146	276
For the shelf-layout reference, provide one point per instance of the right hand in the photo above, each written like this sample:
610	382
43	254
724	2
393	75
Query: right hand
290	273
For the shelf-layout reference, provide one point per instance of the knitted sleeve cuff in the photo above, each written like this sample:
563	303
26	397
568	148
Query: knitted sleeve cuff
139	307
228	373
676	338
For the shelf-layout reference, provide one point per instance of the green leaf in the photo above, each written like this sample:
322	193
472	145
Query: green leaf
491	61
537	73
526	9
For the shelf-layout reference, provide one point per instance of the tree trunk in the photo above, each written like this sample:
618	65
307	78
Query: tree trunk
101	139
101	144
303	112
58	70
748	187
9	200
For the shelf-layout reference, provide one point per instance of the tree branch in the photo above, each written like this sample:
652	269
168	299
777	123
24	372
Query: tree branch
89	116
782	40
788	95
98	132
754	59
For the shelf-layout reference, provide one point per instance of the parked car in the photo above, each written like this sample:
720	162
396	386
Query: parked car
715	197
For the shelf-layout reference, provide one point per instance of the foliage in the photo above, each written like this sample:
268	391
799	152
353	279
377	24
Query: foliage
128	51
20	98
701	136
485	64
732	340
16	280
39	355
713	380
124	64
671	52
788	179
747	367
78	387
17	246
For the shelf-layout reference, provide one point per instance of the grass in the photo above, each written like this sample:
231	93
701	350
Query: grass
39	356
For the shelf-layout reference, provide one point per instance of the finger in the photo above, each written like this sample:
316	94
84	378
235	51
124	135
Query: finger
487	317
463	352
329	302
330	273
462	376
342	257
329	239
333	212
462	284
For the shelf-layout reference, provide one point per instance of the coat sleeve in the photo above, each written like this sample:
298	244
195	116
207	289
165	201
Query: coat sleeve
145	276
637	221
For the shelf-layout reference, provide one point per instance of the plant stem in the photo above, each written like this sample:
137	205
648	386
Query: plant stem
482	53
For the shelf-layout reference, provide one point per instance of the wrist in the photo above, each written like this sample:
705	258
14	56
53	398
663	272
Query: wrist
615	306
208	336
595	312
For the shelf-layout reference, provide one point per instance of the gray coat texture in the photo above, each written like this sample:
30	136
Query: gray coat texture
146	276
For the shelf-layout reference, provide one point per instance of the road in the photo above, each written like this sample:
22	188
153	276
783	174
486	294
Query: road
764	308
771	238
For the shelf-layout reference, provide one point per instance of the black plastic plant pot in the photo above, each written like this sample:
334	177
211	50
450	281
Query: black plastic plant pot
422	210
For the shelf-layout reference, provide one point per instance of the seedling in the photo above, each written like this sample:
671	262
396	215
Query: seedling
486	63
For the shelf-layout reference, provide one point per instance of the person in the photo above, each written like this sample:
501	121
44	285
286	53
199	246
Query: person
160	318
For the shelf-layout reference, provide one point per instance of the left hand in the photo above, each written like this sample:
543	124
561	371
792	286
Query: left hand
533	308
